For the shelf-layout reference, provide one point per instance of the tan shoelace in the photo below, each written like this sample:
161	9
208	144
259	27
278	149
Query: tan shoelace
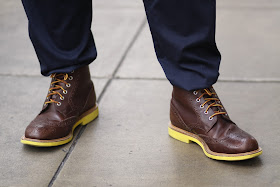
53	90
213	104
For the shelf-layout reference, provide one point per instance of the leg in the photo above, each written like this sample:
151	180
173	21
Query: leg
183	32
60	33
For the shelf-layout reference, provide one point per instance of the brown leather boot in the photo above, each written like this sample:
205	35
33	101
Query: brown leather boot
199	116
70	102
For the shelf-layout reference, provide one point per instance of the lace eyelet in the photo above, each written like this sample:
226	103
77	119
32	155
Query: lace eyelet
62	98
58	104
68	85
205	112
65	91
198	100
201	106
70	78
211	118
73	71
195	92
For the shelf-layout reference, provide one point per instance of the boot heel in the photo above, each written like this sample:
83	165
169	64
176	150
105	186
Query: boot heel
90	117
178	136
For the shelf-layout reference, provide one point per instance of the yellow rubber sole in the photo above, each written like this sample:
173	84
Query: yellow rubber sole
188	137
86	118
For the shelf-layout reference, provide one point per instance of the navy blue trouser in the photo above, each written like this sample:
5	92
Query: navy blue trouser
183	32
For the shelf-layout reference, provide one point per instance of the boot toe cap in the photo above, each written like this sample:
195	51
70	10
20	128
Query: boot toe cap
45	129
249	144
39	131
242	142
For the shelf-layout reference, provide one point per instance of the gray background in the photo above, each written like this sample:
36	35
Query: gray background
128	145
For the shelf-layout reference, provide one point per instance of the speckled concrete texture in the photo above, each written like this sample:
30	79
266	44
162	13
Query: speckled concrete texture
128	145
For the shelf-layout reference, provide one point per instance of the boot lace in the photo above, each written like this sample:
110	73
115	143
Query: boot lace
58	78
215	102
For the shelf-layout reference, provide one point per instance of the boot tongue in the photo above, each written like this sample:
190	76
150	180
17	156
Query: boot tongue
50	110
220	129
53	114
59	77
214	108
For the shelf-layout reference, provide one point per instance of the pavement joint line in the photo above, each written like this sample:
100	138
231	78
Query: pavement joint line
19	75
108	83
39	76
139	30
250	80
240	80
256	80
250	8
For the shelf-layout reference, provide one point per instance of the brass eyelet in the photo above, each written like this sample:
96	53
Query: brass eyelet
62	98
65	91
205	112
201	106
68	85
195	92
211	118
58	104
198	100
70	78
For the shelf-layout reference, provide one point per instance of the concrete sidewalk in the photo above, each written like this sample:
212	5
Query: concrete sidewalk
128	145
